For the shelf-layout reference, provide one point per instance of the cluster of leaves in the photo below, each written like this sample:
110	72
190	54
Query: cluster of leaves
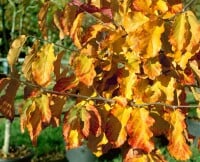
133	60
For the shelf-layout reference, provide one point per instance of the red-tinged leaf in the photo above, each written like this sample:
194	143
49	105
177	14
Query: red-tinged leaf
138	128
95	120
67	83
42	19
132	155
116	131
57	66
3	82
84	69
72	129
35	114
42	66
142	5
15	49
177	146
91	8
64	20
187	77
30	91
152	68
30	119
7	107
56	106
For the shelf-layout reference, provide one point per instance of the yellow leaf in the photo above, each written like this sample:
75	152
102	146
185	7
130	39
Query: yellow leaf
184	59
177	146
154	43
133	20
116	125
138	128
15	49
178	37
84	69
42	66
194	43
126	81
30	57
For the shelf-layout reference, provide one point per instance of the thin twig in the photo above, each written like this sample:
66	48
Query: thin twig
188	5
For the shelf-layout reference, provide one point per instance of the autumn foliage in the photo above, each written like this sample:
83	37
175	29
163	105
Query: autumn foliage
133	61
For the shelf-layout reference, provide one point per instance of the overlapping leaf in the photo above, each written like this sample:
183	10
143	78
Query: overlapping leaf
178	146
42	65
116	124
138	128
84	69
35	114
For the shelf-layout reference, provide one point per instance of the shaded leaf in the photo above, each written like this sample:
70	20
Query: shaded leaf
138	128
35	114
116	125
7	107
67	83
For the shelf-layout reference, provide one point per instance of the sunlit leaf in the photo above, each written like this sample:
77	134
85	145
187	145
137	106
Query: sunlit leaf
178	37
84	69
152	68
143	6
194	23
42	66
15	50
177	146
138	128
30	57
116	125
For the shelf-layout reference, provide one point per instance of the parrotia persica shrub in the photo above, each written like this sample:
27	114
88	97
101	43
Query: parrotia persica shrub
133	63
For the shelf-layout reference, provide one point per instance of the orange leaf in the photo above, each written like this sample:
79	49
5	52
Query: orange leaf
42	66
42	19
84	69
138	128
142	5
178	146
116	125
35	114
152	68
